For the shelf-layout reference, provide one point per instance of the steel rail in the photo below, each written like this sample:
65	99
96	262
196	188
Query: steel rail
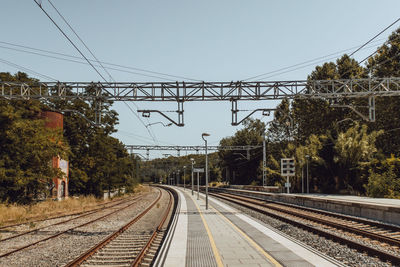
372	235
142	253
111	237
80	215
62	232
356	245
324	212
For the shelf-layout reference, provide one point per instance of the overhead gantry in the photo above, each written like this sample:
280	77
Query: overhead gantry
180	92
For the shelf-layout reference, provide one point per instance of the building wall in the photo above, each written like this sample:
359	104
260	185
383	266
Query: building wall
55	120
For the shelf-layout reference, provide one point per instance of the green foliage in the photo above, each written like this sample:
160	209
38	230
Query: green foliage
162	169
243	167
384	180
97	161
26	149
355	146
386	63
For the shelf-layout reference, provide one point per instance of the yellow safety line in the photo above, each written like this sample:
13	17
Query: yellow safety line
251	241
213	246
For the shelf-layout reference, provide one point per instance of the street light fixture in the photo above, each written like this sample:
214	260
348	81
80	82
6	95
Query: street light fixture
193	162
205	140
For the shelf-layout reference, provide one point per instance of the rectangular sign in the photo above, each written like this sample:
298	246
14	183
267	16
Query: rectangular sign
288	167
198	169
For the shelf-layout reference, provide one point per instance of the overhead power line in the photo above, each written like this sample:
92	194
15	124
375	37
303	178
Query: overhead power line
103	62
304	63
19	67
90	51
72	43
370	40
80	52
81	62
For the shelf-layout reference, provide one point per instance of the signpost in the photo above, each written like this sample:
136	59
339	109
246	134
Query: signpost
287	169
198	170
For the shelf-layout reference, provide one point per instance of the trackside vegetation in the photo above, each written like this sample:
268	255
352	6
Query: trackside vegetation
344	154
97	161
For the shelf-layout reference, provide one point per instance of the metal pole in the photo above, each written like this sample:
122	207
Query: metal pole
184	182
287	181
264	161
205	140
302	179
198	186
308	191
192	178
206	176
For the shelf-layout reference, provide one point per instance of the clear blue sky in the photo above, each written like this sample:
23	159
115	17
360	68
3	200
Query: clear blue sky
206	40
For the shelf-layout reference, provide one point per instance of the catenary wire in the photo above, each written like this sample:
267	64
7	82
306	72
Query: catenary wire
80	52
81	62
90	51
90	62
370	40
103	62
26	69
313	61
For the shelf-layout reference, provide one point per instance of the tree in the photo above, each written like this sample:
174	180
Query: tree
26	148
386	63
243	166
355	149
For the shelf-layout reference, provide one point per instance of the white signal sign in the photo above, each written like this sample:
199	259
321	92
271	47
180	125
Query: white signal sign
288	167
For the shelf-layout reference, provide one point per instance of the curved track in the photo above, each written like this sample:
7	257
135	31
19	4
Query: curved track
329	224
132	245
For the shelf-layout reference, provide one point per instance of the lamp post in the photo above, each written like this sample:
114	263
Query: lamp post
193	162
184	182
302	177
264	161
308	158
205	140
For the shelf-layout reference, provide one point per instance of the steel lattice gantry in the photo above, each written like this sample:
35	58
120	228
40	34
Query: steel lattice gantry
188	148
181	92
132	148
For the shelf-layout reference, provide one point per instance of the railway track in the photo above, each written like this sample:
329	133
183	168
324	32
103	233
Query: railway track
37	238
133	244
377	239
61	215
75	217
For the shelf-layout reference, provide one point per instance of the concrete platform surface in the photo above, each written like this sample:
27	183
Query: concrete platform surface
224	236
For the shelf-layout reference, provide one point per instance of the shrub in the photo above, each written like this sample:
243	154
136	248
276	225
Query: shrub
385	184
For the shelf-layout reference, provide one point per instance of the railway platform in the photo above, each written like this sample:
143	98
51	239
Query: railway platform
224	236
379	209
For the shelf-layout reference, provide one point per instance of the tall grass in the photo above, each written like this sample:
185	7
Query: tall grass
13	213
